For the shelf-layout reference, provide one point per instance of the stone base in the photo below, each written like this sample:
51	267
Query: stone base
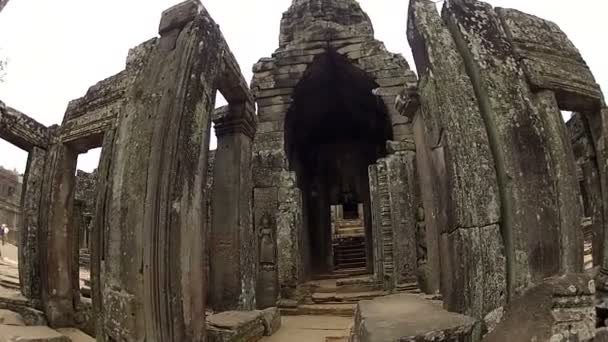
410	318
236	326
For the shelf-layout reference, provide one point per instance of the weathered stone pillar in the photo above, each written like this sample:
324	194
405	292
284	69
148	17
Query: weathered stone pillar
404	202
289	234
29	239
153	284
463	201
233	244
57	272
394	207
98	226
382	220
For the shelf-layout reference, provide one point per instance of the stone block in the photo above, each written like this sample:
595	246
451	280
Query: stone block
270	127
273	112
179	15
400	146
260	94
269	141
276	100
391	82
308	59
410	318
558	309
235	326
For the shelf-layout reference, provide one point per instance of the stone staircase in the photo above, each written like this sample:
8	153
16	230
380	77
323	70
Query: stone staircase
349	253
349	245
334	297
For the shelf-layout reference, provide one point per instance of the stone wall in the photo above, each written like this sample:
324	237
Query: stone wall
494	158
10	202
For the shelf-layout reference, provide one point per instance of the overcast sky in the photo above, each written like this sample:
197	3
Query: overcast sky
57	49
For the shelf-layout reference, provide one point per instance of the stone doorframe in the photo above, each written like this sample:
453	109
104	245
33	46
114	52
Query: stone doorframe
32	137
149	232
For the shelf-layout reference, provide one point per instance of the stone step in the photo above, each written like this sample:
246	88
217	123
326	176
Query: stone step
350	265
341	310
408	288
31	334
352	297
351	257
76	335
354	252
337	339
342	273
371	287
350	247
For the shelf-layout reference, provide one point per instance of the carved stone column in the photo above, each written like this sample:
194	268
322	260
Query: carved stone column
233	243
29	249
394	207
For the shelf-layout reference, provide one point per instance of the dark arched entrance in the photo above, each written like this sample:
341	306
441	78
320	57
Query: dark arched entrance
335	128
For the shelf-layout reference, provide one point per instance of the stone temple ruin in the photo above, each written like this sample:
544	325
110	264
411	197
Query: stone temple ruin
447	205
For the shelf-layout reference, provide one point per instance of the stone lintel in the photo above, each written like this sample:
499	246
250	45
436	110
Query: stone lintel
179	15
551	61
21	130
231	82
87	131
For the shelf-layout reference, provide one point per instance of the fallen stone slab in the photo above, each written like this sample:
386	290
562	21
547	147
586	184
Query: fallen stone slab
8	317
410	318
237	326
11	333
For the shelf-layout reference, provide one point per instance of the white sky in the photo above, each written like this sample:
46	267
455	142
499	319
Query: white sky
57	49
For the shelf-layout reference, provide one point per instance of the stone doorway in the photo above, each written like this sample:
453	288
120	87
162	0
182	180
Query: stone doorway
335	128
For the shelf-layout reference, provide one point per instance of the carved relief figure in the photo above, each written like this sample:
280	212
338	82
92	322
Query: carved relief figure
266	238
421	247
